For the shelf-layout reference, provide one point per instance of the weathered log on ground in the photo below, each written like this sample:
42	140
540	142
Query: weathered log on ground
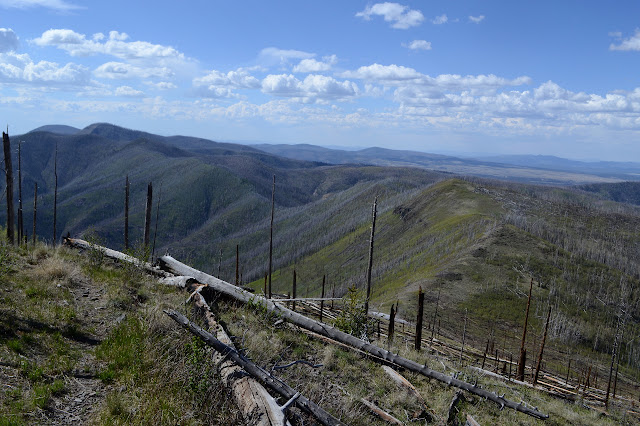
178	281
403	383
167	262
116	255
271	382
381	413
257	406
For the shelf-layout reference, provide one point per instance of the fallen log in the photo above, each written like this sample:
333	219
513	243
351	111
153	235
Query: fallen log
271	382
381	413
403	383
257	406
116	255
167	262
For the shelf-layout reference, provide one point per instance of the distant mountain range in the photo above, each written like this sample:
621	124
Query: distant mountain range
531	169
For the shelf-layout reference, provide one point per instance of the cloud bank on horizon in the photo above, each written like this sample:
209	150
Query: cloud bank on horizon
387	74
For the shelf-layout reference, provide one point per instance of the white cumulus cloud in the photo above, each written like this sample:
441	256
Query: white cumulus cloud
116	44
399	16
312	65
632	43
419	45
476	19
314	87
271	56
439	20
21	69
383	73
8	40
129	92
217	84
120	70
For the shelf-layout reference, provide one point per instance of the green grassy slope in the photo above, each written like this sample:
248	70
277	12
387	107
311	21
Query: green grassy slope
463	243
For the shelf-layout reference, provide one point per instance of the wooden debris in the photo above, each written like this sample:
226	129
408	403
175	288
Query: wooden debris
238	294
381	413
271	382
403	383
256	404
471	421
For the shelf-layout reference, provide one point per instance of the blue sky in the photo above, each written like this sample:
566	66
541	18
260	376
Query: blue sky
455	76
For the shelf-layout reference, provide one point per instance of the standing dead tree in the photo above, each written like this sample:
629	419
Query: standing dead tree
273	203
147	215
126	213
374	211
35	211
9	175
55	195
20	223
419	319
523	350
544	339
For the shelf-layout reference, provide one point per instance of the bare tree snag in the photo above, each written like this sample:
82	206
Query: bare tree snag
435	316
273	204
464	335
126	213
392	325
544	339
613	357
169	263
20	222
374	211
55	197
147	215
523	351
418	342
324	277
35	211
381	413
293	291
8	169
155	232
238	266
272	383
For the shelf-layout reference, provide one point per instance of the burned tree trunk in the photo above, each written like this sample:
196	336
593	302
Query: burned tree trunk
273	203
35	210
20	222
322	296
55	196
523	351
9	175
126	213
147	215
374	211
294	289
419	319
544	339
392	324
